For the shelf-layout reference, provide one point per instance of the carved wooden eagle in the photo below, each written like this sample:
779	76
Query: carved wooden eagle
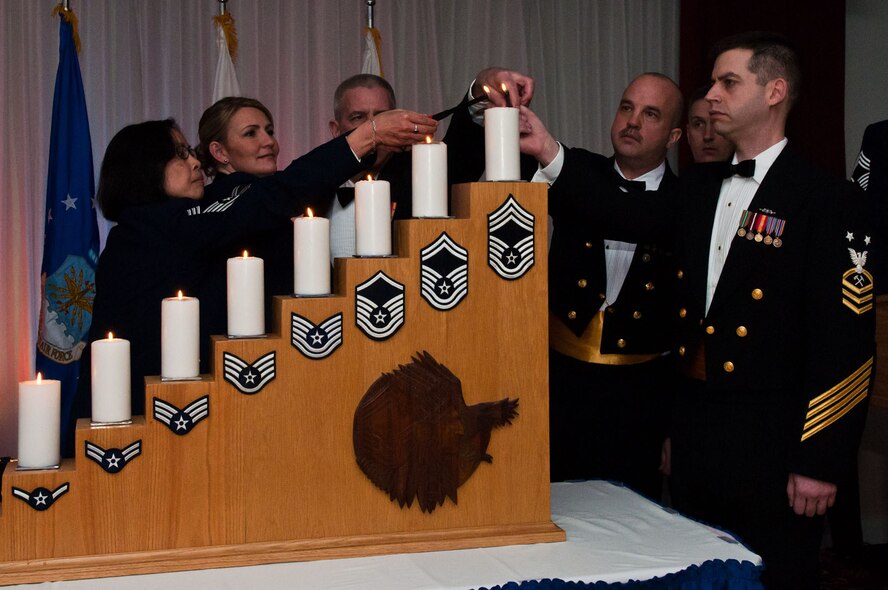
415	437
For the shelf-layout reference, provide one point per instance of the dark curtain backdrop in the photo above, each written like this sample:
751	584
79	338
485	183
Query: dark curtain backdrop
817	29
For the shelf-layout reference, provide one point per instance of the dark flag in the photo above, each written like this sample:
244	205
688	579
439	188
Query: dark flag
71	240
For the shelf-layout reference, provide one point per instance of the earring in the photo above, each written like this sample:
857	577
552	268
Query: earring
225	162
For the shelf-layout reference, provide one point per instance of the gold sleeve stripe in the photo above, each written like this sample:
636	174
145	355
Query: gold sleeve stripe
843	383
833	404
839	396
838	407
809	433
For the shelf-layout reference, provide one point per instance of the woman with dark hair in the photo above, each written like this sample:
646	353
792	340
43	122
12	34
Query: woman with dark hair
169	238
238	146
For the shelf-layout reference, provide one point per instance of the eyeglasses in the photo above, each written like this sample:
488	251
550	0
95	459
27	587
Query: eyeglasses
183	151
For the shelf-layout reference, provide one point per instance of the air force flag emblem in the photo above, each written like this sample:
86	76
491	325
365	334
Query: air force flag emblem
316	341
249	378
40	498
510	240
181	421
444	273
379	306
113	460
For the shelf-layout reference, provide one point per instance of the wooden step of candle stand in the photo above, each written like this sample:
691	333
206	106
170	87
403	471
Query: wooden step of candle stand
271	476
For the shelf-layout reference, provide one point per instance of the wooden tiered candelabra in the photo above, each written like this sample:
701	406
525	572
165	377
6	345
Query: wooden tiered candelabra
256	462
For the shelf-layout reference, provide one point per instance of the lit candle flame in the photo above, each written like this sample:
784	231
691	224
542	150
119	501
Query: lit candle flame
179	296
39	377
369	177
506	94
246	255
310	212
110	335
428	139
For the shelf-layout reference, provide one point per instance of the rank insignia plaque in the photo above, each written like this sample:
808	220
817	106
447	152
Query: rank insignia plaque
40	498
379	306
181	421
316	341
249	378
444	273
510	242
857	282
113	460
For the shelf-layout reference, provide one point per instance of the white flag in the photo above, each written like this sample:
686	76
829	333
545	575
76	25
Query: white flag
372	59
226	83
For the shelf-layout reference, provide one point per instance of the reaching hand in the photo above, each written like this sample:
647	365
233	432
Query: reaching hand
400	128
535	139
519	86
395	130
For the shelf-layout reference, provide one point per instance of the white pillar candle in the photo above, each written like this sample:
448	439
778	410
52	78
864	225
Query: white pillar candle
501	154
429	179
39	414
110	370
311	255
373	218
180	337
246	296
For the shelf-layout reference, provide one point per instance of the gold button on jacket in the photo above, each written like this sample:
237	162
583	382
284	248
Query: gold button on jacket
710	329
757	294
741	331
729	367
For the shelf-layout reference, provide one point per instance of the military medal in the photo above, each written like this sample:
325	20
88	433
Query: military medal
742	231
751	233
772	223
759	226
778	231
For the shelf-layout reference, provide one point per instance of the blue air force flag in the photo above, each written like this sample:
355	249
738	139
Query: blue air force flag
71	241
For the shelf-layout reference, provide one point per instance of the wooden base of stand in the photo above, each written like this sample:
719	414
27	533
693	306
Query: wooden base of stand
150	562
270	475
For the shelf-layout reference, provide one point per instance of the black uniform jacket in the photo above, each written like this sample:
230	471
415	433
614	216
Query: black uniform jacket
158	249
791	325
588	207
274	243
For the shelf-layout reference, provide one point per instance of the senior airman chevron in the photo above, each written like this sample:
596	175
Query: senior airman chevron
181	421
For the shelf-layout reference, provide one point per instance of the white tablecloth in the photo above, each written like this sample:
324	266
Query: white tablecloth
613	534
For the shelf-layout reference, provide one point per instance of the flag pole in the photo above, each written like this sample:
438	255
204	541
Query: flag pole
370	5
223	6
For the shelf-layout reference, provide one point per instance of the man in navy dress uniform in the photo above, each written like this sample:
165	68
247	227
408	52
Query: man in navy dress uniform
776	323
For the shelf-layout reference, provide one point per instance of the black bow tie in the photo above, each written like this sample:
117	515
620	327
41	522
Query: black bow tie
629	185
345	194
746	168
